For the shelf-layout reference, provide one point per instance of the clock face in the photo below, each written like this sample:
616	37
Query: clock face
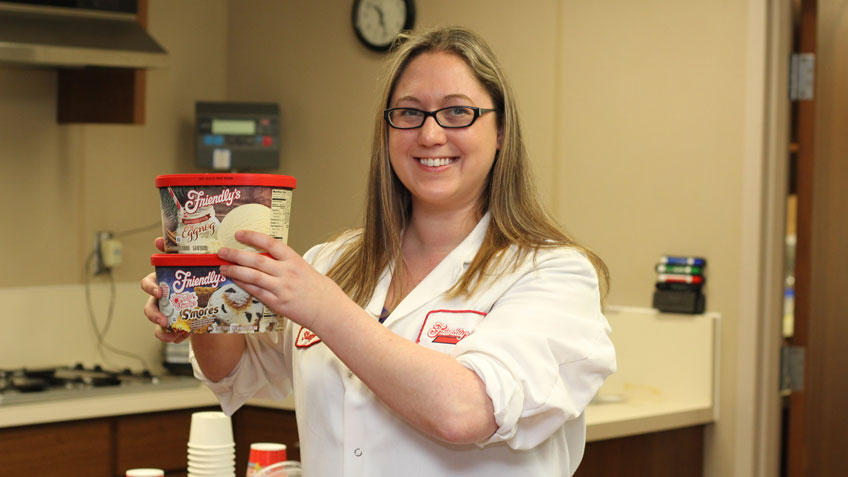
377	22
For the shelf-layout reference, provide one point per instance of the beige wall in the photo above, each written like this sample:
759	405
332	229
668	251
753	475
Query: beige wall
306	56
650	147
633	114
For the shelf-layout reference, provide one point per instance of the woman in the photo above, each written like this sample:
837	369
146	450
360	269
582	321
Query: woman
458	315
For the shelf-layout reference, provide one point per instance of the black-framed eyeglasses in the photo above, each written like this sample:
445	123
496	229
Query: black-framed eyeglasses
450	117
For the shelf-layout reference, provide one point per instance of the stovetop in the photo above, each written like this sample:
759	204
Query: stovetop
23	385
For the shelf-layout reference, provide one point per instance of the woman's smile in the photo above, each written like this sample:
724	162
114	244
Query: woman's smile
435	162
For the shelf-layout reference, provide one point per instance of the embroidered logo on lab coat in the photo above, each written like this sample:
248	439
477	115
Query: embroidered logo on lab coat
306	338
448	327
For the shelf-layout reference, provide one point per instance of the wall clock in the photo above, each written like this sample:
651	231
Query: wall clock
377	22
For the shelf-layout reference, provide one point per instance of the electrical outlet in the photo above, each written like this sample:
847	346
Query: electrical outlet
100	265
111	252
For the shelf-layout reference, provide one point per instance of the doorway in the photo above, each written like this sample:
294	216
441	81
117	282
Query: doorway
815	421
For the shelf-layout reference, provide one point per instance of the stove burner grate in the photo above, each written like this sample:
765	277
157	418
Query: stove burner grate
65	382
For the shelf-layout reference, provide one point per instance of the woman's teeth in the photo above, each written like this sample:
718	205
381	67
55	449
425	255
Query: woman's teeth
435	162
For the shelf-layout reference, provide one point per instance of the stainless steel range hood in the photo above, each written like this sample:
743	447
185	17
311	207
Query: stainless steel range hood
40	36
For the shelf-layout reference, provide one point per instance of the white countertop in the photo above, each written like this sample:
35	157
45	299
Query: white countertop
611	420
135	402
604	421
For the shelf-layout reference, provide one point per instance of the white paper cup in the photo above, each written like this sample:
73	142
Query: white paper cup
212	468
211	430
230	454
212	464
211	449
212	473
211	460
149	472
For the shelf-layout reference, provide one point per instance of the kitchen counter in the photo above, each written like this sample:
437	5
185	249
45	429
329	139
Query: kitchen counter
603	421
666	377
135	402
648	393
608	421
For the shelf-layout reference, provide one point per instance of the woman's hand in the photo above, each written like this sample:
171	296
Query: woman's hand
286	283
151	308
422	385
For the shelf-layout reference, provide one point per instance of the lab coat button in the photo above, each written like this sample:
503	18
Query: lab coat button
357	452
350	374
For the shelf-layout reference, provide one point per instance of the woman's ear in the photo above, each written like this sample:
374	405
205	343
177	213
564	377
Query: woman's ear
500	136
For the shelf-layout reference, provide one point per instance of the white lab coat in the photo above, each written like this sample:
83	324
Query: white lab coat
535	336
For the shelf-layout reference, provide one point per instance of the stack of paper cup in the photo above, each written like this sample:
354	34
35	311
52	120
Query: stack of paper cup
211	449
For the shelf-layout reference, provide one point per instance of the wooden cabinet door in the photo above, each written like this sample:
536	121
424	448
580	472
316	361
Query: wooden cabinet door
673	453
152	440
70	449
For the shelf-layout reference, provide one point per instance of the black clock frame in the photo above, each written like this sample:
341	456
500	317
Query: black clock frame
407	25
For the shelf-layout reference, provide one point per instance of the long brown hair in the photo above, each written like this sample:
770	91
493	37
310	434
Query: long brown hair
517	216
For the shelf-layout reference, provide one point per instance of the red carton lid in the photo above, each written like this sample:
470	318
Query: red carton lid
213	179
186	260
189	260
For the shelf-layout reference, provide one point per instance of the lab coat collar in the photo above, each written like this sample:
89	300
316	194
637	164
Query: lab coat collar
440	280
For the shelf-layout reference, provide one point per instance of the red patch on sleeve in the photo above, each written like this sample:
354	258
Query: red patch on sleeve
306	338
448	326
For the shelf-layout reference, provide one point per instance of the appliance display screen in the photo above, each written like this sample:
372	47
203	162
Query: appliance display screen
233	126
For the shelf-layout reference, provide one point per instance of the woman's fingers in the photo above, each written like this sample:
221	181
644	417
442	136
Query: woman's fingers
163	334
274	247
151	308
248	259
267	297
151	311
274	280
257	277
150	286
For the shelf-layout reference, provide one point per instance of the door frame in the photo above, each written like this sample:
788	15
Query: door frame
765	166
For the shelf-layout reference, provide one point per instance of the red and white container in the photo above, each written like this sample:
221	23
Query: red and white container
264	454
202	212
198	299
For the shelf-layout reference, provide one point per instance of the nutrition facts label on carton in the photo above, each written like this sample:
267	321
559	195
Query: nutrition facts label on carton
280	212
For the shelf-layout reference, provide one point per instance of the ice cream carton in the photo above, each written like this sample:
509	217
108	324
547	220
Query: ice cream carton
198	299
202	212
